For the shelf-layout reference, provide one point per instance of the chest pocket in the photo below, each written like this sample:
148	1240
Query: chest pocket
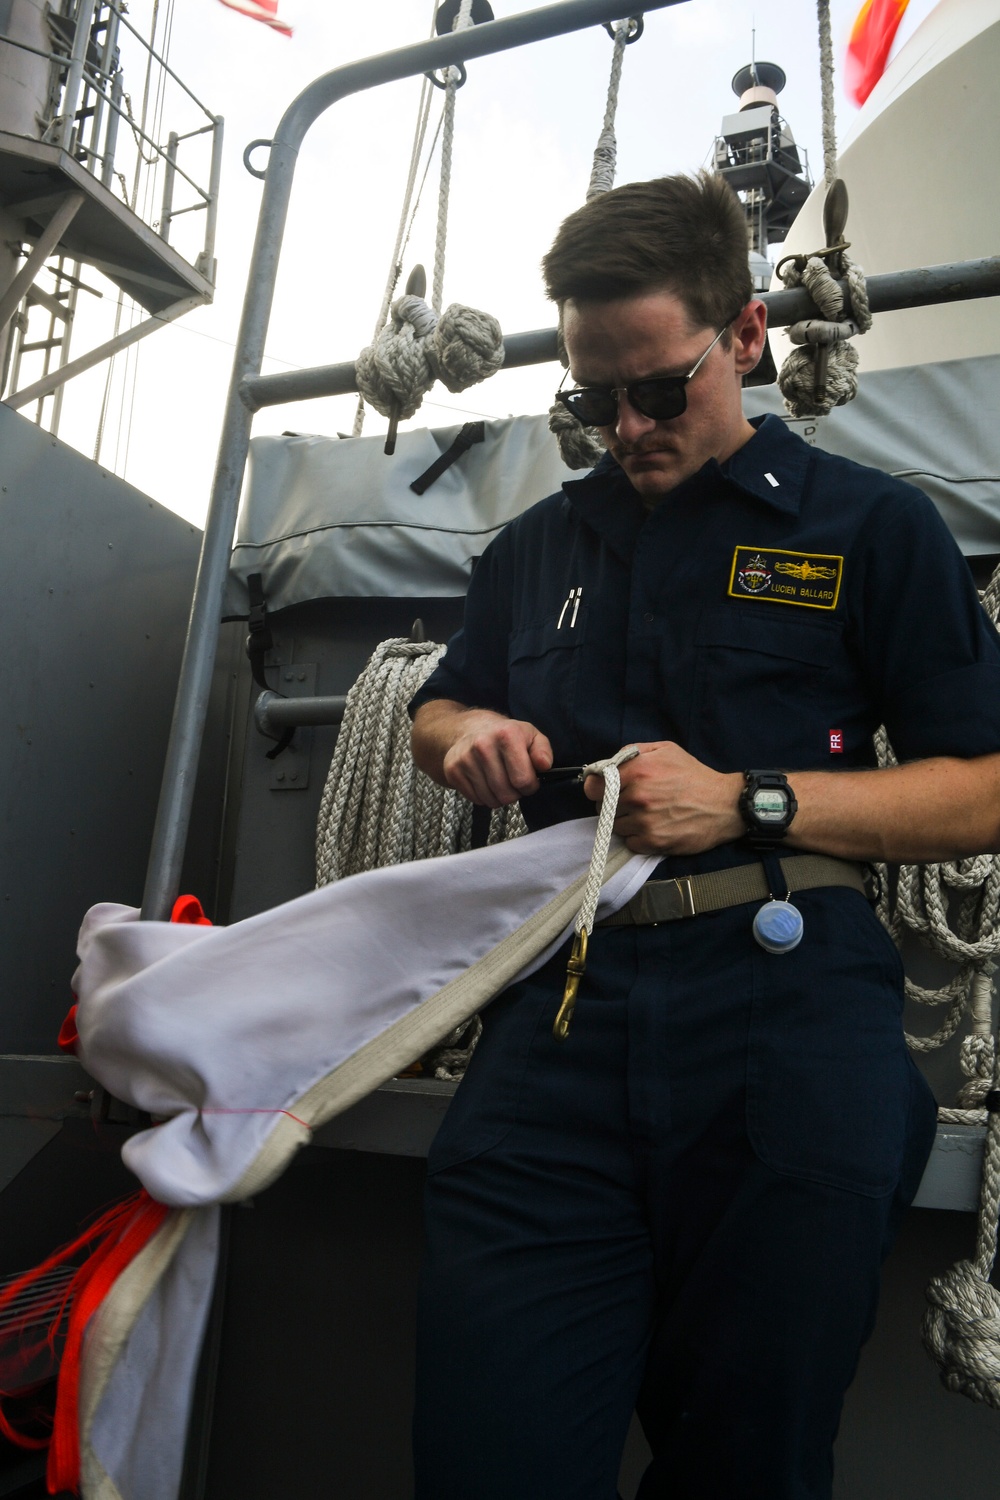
544	678
758	694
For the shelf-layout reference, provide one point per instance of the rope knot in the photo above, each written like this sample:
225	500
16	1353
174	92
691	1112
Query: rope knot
962	1332
416	348
579	447
823	374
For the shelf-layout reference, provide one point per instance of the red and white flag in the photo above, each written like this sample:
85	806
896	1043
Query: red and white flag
872	36
260	10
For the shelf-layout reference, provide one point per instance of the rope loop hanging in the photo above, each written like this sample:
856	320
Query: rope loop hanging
953	908
582	447
576	965
822	372
419	344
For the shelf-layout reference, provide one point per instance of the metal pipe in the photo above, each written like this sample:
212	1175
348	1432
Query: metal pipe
191	704
111	138
170	159
107	55
206	260
53	57
957	282
535	348
273	714
74	77
44	246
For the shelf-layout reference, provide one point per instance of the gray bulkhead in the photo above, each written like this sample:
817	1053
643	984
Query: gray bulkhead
305	1381
320	1270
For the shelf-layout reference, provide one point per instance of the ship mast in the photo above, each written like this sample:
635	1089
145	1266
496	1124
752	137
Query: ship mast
757	155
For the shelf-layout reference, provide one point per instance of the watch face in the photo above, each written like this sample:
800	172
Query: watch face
769	804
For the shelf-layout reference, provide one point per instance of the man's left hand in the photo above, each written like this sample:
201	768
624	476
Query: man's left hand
671	803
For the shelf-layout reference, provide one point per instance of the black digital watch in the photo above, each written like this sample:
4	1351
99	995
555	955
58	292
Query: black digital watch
767	806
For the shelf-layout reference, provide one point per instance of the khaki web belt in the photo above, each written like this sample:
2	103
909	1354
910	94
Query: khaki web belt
691	895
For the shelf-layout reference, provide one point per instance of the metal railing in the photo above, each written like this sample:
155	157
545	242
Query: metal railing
249	391
191	705
93	50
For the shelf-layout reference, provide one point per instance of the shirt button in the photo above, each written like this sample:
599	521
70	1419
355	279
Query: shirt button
649	618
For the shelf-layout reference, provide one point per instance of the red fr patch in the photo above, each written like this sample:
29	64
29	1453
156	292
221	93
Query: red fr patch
836	742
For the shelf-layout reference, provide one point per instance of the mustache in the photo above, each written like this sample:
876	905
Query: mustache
621	450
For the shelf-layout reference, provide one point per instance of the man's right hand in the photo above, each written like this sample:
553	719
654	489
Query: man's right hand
488	758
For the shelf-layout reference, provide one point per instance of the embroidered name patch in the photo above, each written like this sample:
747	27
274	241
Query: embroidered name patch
811	579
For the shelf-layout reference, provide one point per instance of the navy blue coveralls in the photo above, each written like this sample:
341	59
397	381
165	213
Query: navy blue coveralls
684	1207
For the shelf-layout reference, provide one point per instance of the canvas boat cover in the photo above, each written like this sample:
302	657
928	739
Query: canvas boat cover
335	518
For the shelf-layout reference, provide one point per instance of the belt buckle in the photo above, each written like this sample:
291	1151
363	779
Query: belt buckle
683	884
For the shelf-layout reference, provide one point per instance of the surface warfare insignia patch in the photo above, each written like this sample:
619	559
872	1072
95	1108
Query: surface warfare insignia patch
811	579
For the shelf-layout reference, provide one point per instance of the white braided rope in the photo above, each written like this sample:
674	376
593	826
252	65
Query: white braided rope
602	838
579	447
826	91
395	266
377	809
954	908
463	18
797	377
962	1322
416	348
602	172
582	447
420	344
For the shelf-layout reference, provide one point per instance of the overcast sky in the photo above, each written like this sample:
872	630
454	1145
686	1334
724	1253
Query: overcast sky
527	123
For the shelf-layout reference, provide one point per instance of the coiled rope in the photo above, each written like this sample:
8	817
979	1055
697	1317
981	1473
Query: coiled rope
378	809
822	373
420	344
954	909
582	447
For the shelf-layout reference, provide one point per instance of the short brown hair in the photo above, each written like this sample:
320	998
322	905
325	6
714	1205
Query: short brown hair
684	235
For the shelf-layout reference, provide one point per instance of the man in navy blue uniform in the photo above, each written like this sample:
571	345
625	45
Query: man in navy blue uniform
683	1206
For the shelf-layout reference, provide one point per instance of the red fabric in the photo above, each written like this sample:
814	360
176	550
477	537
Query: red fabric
68	1034
130	1227
113	1241
188	909
260	10
872	36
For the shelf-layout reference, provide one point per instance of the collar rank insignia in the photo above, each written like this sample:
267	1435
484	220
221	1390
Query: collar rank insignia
810	579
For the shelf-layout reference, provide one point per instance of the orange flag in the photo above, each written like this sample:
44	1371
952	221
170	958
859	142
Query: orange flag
260	10
868	49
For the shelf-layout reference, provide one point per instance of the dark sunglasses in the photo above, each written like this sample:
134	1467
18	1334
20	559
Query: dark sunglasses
659	397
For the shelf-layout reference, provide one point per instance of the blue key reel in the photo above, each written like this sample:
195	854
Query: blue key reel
778	925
